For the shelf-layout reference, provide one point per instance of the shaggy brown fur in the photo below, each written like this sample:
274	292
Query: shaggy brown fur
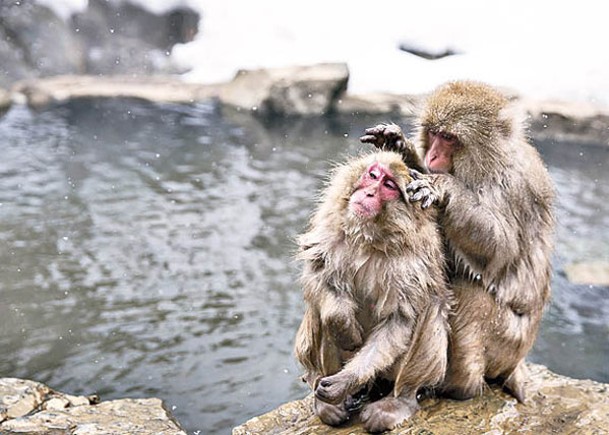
496	210
376	300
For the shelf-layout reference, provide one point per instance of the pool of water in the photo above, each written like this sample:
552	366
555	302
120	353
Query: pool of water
147	251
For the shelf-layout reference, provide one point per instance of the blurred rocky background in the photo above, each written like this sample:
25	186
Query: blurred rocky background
107	37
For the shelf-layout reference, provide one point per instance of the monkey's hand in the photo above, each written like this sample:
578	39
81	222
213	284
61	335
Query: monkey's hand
388	137
424	188
335	389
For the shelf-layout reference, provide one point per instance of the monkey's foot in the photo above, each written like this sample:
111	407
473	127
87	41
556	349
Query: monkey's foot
387	413
464	392
514	384
333	389
333	415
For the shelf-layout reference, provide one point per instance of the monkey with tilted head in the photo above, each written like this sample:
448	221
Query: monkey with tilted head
495	201
376	298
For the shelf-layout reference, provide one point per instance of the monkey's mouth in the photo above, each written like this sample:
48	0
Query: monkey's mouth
359	209
362	210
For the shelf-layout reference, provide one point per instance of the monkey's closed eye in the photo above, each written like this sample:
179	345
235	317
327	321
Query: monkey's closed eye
448	137
390	185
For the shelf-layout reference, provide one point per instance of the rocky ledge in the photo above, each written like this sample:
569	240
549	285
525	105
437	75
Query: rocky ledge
312	90
28	407
555	404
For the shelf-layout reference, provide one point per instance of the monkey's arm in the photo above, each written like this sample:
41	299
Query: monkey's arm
307	345
389	340
329	329
479	224
389	137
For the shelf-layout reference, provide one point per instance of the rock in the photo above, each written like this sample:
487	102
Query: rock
33	408
555	404
35	42
62	89
136	416
56	404
578	122
5	100
106	38
304	90
19	397
379	104
125	38
591	273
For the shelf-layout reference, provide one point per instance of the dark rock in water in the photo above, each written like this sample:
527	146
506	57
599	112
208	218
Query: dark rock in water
555	404
121	38
35	42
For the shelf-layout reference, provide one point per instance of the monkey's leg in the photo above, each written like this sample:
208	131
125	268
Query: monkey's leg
378	354
466	359
388	412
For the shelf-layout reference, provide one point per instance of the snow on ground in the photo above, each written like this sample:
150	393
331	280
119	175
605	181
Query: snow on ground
541	48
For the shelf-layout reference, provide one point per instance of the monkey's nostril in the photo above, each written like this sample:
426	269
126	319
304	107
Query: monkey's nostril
325	383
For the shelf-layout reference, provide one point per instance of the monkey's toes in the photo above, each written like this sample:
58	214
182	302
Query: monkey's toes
333	415
387	413
330	392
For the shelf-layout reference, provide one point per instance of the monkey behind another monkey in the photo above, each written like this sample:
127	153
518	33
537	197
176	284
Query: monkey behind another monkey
495	203
375	294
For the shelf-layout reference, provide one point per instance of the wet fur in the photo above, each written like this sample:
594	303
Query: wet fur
496	211
376	299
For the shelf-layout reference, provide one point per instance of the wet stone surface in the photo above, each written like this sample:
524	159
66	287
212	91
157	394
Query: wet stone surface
28	407
555	404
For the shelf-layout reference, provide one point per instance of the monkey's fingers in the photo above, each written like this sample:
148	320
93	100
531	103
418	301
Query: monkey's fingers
377	130
416	175
374	135
429	200
416	185
420	190
374	140
421	195
392	130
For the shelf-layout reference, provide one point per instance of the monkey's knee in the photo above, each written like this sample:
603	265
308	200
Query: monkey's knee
333	415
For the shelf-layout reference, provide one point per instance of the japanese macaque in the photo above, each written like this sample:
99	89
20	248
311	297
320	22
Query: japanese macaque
495	201
375	293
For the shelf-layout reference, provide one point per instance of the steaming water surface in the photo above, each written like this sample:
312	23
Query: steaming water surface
146	251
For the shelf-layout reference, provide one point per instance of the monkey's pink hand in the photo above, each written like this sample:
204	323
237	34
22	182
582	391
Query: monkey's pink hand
422	189
387	137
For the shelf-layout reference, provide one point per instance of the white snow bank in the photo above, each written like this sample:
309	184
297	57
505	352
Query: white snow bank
541	48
